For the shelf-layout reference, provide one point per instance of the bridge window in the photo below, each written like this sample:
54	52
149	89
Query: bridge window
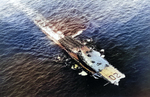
93	61
89	55
99	64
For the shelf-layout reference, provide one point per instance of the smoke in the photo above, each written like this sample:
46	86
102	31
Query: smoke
64	22
69	22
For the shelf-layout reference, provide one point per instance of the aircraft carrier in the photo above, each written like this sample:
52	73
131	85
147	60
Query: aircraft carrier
90	61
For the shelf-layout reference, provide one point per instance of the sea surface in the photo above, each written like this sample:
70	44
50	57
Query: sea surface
28	58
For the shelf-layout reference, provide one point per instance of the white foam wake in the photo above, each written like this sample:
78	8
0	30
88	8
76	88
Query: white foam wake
38	19
51	31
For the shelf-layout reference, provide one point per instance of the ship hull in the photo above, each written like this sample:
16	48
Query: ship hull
80	53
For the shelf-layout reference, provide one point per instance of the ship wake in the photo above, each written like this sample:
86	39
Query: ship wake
62	23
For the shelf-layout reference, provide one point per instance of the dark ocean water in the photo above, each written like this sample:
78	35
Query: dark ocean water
27	57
